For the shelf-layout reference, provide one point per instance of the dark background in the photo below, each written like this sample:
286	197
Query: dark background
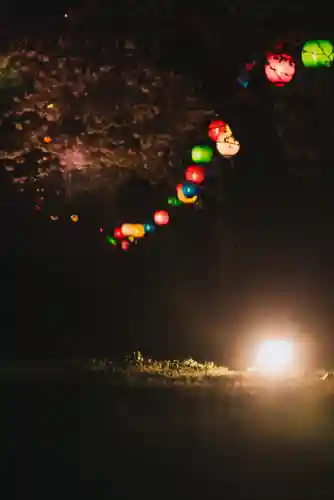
201	286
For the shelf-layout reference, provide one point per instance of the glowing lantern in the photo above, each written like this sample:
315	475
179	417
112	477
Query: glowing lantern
317	53
111	240
174	201
184	198
201	154
118	233
54	217
189	190
228	147
161	218
244	77
149	228
125	245
218	127
127	229
47	139
280	69
195	174
74	218
138	231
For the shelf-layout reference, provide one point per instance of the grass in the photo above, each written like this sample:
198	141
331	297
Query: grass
139	370
136	368
142	426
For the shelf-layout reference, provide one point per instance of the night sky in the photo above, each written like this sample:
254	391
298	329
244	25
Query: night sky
202	285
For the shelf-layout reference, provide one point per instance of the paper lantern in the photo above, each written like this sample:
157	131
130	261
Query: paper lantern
228	147
189	190
74	218
118	233
280	69
317	53
243	80
184	198
125	245
201	154
195	174
149	228
161	218
174	201
218	127
138	231
127	229
111	240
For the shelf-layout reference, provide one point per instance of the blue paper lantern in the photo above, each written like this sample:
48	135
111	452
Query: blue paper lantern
149	227
189	190
243	80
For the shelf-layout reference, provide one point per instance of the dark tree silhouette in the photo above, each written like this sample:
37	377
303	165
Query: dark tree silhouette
92	116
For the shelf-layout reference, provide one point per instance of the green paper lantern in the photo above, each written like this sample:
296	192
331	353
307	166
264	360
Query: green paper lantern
111	240
201	154
174	201
317	53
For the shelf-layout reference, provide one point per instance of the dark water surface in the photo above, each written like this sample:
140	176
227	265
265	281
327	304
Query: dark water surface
92	440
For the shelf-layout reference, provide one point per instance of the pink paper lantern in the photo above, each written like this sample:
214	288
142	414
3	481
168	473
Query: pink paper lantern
280	69
161	218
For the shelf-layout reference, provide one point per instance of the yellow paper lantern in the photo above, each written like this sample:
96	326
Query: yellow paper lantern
183	198
127	229
139	231
133	230
74	218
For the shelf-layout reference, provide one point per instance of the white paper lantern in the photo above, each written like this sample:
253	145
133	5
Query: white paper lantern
228	147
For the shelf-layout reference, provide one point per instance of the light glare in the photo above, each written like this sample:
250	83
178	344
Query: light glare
275	357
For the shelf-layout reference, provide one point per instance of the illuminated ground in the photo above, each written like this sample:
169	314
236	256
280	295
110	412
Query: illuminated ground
163	427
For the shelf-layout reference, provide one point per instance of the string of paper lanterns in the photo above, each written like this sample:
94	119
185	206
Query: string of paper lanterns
279	69
187	193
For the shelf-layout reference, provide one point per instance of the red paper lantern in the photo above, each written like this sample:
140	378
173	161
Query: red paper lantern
218	127
280	69
161	218
195	174
118	233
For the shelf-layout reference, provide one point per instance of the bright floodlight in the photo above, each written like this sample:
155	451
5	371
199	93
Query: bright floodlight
275	357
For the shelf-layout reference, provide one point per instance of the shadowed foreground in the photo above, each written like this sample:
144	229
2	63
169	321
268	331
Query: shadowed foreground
92	438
